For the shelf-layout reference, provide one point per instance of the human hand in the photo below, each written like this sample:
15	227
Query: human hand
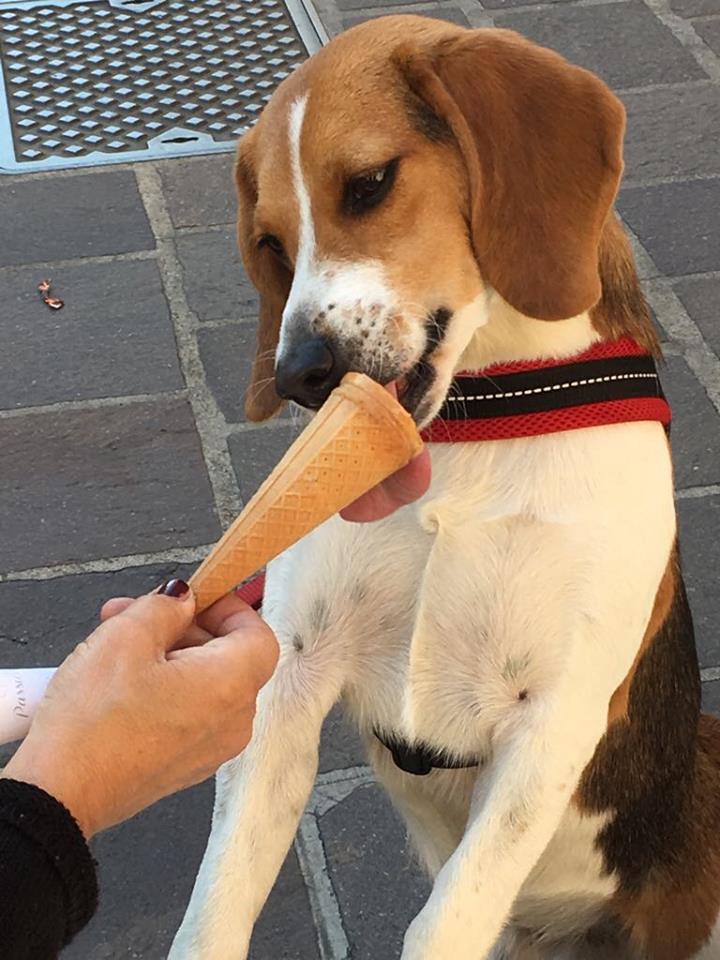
137	711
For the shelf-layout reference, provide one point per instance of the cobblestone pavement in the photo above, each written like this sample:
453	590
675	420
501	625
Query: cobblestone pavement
125	450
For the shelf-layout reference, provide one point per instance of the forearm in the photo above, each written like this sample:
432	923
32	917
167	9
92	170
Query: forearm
47	875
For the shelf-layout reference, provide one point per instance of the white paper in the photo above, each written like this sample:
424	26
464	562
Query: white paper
21	691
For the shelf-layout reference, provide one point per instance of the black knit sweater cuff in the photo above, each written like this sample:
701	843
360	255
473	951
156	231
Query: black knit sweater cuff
51	826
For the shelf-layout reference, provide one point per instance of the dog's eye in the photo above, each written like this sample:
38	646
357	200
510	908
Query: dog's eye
368	190
272	243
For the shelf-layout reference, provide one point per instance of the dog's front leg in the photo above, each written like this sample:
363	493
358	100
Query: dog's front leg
535	769
260	797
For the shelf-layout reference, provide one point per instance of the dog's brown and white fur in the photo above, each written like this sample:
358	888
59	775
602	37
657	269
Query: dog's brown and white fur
530	608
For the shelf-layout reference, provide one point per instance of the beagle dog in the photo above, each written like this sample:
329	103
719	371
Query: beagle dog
433	206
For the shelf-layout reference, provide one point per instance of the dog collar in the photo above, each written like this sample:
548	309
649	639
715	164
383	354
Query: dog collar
422	760
612	382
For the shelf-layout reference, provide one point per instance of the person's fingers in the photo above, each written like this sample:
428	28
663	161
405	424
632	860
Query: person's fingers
245	651
194	637
114	606
403	487
159	619
215	618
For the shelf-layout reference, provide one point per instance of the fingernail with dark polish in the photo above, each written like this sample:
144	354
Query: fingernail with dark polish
174	588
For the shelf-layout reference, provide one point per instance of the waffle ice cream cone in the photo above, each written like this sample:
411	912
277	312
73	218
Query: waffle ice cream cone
359	437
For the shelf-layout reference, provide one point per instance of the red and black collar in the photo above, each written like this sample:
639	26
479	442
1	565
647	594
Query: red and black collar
612	382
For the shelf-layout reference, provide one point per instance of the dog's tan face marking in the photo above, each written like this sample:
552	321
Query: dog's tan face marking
385	284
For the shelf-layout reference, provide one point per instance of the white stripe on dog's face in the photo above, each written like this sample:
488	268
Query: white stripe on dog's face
306	239
306	229
347	301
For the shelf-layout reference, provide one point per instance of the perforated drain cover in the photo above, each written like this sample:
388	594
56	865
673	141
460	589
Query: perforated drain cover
105	81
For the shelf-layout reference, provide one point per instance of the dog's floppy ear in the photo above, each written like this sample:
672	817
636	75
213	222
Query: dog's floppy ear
272	280
542	141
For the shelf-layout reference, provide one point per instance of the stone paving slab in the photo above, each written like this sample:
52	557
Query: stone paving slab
622	42
696	427
64	217
147	870
253	457
340	746
227	353
216	285
710	32
690	207
113	337
43	620
150	864
701	298
200	191
673	131
104	482
700	551
378	884
711	697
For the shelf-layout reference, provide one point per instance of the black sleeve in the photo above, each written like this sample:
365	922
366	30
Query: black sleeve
48	883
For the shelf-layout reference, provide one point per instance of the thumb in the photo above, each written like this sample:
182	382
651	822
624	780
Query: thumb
247	652
159	619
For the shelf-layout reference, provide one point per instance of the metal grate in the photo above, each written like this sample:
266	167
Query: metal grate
105	81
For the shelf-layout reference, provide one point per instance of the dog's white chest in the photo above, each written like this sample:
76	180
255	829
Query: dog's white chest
445	619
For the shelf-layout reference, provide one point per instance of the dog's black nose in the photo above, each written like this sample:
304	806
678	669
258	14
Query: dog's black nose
308	371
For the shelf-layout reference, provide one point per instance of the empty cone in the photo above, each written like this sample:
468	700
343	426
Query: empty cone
359	437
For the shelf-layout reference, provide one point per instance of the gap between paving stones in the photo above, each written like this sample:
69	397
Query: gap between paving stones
683	30
67	172
680	85
189	230
331	937
110	564
209	421
630	183
330	789
672	350
247	426
50	265
228	322
92	403
700	275
696	493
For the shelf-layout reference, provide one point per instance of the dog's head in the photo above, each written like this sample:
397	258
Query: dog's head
398	175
